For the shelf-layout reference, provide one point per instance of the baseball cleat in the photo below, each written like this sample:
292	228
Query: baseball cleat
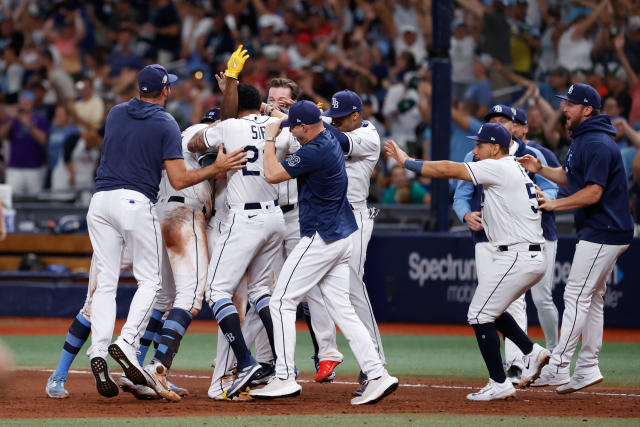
533	364
362	380
580	381
157	375
316	363
243	378
55	387
104	383
547	378
140	392
124	353
240	397
494	391
277	388
326	371
262	377
513	374
180	391
376	390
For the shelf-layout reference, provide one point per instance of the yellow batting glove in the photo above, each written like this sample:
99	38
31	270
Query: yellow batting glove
319	105
236	63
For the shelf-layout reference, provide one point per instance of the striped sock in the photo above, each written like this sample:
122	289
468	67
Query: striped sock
229	321
76	337
155	324
169	337
262	307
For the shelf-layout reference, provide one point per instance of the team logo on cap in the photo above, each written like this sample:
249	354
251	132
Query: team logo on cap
497	109
479	131
164	79
570	89
144	88
586	100
293	160
513	111
335	103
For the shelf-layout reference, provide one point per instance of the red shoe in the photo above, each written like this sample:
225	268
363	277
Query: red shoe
325	369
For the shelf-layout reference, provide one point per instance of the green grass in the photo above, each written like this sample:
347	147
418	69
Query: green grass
381	420
449	356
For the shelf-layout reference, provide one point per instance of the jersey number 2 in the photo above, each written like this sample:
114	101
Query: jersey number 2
254	150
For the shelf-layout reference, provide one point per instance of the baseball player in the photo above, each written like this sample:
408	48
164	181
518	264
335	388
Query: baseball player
256	230
140	138
360	143
595	176
512	223
321	257
467	206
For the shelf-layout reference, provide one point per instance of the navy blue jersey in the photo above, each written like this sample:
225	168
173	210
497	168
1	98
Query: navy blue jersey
138	137
322	183
594	157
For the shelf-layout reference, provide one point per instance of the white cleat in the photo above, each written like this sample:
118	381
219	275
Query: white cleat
494	391
140	392
548	377
277	387
533	364
376	390
580	381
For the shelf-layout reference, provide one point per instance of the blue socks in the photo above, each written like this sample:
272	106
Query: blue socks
229	321
169	337
262	307
489	343
154	325
76	337
508	327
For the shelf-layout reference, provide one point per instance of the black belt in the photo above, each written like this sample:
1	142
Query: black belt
180	199
505	248
287	208
249	206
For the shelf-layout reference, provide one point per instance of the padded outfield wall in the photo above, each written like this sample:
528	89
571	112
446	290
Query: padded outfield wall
421	277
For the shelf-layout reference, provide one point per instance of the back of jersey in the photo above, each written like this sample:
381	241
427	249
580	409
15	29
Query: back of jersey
248	184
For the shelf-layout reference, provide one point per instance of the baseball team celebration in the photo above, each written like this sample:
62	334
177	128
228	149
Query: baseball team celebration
300	212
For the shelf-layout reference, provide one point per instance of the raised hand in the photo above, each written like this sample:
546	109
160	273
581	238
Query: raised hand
530	163
236	62
392	150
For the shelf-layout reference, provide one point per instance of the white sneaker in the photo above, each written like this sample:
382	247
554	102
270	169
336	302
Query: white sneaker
277	387
580	381
494	391
157	376
126	355
377	389
533	364
548	377
141	392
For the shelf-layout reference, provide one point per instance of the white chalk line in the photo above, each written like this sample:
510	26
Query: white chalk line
439	386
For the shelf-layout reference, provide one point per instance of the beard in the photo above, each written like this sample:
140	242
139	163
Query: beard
568	122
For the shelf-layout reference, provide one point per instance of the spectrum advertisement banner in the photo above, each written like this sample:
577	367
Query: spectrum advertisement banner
431	277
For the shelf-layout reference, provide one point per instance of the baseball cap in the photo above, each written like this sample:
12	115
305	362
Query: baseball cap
408	28
154	77
344	103
500	110
212	115
493	133
521	116
302	112
633	24
581	93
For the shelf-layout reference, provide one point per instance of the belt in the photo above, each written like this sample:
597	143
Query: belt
505	248
288	208
180	199
256	205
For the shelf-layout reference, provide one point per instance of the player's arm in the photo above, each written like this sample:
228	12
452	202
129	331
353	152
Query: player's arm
534	165
274	172
180	177
588	196
549	188
438	169
229	105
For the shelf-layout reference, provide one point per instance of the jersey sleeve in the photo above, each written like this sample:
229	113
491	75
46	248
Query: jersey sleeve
172	144
213	136
596	162
361	146
303	161
484	172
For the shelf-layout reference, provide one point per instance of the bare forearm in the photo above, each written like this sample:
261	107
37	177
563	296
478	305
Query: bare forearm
556	175
585	197
445	169
193	176
229	107
274	172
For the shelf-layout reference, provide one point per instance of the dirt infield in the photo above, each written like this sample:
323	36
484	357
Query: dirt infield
27	399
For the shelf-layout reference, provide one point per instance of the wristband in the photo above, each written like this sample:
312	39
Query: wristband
414	165
270	139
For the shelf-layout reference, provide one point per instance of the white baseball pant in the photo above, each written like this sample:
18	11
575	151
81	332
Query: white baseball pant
584	307
117	218
316	263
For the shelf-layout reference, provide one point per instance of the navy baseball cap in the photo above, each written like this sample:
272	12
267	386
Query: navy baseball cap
344	103
521	116
302	112
212	115
500	110
154	77
493	133
584	94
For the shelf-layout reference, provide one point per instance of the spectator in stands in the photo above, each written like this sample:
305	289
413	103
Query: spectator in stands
411	40
400	109
123	56
481	91
164	28
65	31
88	111
632	41
402	191
12	74
196	24
462	54
3	224
27	135
61	82
63	137
616	79
525	39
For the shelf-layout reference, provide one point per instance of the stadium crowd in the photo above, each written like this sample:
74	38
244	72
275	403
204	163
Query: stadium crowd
65	63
